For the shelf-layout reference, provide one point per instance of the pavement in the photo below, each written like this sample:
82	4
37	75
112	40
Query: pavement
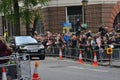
115	64
112	64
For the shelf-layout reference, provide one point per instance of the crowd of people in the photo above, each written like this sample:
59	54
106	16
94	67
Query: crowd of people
86	39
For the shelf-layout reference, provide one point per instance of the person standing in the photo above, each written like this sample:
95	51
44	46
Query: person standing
6	35
5	50
73	45
67	39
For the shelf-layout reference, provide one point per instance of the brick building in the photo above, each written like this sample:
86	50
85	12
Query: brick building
97	12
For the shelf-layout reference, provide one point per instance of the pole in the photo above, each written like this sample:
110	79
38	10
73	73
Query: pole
83	14
84	3
109	60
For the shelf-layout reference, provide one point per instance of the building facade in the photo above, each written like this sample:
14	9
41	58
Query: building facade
97	12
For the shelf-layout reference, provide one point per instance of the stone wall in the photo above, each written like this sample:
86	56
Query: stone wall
98	14
93	16
54	16
106	14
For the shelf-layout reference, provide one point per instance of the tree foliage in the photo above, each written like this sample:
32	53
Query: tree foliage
23	10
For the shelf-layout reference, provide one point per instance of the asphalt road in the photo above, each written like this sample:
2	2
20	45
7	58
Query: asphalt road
54	69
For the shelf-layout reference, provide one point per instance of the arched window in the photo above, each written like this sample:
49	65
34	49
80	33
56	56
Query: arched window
117	20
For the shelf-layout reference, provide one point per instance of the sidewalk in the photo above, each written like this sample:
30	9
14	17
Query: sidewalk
115	64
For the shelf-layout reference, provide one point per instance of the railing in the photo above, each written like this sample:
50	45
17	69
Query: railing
17	66
87	54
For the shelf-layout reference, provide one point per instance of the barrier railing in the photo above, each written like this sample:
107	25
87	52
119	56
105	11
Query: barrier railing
87	55
17	66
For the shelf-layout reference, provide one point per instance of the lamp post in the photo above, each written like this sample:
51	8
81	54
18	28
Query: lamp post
84	3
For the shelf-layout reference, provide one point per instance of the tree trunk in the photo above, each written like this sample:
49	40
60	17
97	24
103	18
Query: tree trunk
27	28
16	18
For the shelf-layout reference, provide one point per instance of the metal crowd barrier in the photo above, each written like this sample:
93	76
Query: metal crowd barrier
17	67
88	56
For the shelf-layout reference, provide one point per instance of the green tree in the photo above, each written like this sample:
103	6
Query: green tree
12	11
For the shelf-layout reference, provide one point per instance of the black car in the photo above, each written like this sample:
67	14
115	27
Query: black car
29	45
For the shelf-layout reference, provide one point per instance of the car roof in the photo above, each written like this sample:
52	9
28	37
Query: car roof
24	39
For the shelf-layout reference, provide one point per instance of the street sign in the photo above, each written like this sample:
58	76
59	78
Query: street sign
109	50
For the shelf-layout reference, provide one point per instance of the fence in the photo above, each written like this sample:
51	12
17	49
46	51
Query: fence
87	55
19	69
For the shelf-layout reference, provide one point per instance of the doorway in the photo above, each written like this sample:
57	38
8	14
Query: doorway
74	16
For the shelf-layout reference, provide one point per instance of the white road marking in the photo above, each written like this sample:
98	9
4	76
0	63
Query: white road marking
97	70
75	67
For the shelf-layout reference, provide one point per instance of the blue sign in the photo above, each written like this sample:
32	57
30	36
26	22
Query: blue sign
66	24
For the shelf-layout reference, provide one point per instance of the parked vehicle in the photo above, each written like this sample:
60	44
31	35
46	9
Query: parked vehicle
29	45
